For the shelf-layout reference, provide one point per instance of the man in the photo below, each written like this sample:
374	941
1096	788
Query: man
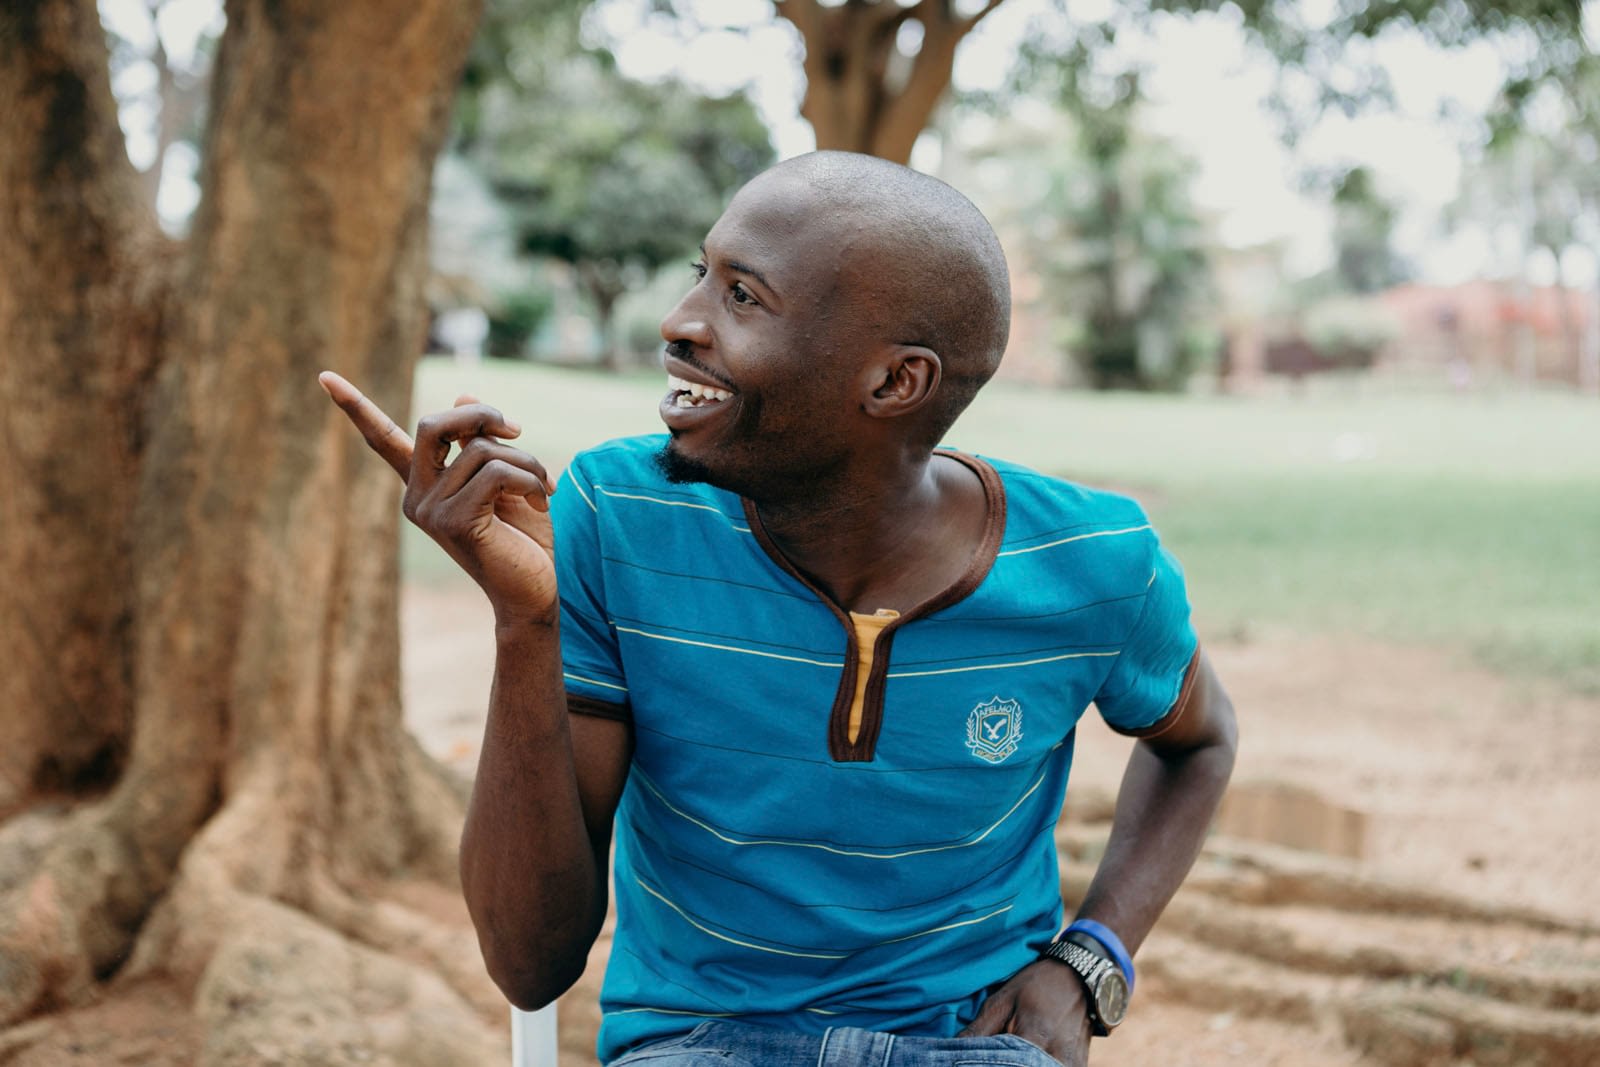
821	675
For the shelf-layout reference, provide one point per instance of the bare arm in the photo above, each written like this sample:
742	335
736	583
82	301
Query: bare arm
538	831
1170	791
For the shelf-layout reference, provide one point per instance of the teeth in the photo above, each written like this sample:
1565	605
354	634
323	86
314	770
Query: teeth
691	394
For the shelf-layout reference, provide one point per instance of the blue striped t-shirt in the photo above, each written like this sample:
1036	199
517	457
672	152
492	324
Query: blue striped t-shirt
769	868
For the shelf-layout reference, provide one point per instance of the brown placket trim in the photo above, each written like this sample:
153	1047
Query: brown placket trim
840	747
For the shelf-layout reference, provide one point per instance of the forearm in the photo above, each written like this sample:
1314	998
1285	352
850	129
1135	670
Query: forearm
1164	808
533	883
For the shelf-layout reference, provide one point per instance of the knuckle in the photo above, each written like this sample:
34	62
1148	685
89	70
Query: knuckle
504	472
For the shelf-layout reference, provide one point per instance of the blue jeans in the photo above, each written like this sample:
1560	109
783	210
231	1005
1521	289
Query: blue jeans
718	1043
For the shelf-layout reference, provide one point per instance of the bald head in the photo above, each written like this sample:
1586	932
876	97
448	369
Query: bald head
924	261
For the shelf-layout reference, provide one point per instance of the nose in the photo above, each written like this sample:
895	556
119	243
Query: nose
688	322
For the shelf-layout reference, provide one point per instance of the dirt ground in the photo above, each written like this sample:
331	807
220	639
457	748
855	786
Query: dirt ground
1405	870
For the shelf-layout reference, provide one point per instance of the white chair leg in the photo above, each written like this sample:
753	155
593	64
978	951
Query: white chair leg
533	1037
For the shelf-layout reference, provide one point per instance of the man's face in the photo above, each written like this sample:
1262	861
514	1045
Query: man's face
764	353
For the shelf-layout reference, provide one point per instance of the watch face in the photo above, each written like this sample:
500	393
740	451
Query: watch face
1111	998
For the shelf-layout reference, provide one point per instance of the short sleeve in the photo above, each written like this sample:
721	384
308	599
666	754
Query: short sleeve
590	661
1147	677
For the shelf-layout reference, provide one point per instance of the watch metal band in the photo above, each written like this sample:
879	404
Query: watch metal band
1109	941
1106	992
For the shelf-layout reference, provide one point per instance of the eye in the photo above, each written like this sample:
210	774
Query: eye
699	269
741	295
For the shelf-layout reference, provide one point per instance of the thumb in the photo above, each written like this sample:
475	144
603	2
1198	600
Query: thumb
993	1016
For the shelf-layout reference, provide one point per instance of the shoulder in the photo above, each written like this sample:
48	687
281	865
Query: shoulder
631	458
625	489
1045	514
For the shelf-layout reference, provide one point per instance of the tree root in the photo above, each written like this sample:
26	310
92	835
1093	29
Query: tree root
282	988
19	1039
358	981
388	927
286	957
24	841
70	924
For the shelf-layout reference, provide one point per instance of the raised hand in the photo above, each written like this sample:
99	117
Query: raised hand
489	508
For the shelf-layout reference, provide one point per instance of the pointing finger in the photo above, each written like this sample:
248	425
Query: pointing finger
383	436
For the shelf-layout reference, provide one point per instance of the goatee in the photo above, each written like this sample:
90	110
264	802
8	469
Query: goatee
680	469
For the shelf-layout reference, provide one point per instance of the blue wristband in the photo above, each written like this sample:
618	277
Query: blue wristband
1109	941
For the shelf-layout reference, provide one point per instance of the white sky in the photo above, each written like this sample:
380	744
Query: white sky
1205	91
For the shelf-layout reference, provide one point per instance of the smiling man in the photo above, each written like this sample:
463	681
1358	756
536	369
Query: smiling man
820	675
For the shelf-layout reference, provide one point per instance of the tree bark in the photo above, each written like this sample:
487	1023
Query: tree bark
862	93
81	308
200	560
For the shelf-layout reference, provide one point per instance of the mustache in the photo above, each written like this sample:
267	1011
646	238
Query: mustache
683	353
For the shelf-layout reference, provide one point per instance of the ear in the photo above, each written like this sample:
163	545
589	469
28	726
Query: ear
902	382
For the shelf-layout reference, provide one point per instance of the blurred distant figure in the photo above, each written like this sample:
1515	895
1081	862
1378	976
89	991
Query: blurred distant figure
1458	368
463	331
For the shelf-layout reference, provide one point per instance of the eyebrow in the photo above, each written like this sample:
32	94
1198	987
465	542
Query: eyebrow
742	268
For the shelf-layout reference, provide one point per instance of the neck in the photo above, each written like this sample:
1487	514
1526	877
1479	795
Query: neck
885	541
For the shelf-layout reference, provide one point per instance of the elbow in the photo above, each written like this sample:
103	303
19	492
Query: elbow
530	988
534	963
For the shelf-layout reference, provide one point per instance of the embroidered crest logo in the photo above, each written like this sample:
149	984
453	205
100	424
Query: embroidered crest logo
994	729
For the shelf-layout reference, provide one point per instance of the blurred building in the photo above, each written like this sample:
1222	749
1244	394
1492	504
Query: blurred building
1482	331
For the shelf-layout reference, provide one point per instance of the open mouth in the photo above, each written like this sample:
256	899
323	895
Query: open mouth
683	393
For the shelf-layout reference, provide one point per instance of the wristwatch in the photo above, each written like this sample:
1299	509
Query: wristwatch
1105	988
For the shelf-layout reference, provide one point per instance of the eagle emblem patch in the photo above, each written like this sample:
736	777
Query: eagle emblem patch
994	729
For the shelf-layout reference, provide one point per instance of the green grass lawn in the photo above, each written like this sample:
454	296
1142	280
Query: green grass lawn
1467	522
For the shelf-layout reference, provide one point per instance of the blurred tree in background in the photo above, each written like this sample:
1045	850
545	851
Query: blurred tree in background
612	176
1364	257
876	70
615	177
1121	247
175	102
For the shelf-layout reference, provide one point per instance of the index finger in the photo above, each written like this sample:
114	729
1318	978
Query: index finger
383	435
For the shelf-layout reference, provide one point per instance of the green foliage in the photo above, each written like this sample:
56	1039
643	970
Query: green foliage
1349	332
1363	222
519	45
1323	64
614	177
515	319
1115	234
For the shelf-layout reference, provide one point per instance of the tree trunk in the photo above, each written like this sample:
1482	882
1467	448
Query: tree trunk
200	559
604	284
81	305
862	93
